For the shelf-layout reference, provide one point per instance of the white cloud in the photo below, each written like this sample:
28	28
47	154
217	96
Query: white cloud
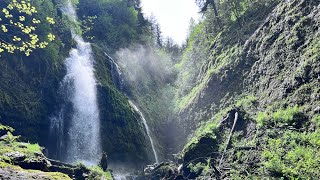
172	15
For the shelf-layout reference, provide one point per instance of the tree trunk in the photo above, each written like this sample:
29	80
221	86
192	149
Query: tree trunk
215	10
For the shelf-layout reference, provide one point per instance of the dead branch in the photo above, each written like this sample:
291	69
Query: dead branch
230	135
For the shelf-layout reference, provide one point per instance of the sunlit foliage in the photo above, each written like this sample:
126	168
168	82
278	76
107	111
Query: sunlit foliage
18	31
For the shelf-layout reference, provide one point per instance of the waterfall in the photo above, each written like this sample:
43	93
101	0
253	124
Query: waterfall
148	130
83	133
116	73
119	82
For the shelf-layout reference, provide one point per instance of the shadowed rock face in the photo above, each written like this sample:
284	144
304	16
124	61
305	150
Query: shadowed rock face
17	174
277	61
19	160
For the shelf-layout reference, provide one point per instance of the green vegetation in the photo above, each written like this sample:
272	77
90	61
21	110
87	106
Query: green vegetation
294	155
13	152
214	45
5	128
97	173
123	138
10	147
10	143
237	59
19	27
289	116
28	174
316	120
113	23
201	168
276	151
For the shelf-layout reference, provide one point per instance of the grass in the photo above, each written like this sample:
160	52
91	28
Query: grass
32	151
221	61
282	117
10	144
27	149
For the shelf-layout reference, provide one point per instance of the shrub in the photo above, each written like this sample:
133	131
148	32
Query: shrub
289	116
6	128
316	120
293	156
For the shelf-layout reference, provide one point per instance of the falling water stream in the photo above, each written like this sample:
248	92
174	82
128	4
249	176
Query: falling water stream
83	136
148	130
118	80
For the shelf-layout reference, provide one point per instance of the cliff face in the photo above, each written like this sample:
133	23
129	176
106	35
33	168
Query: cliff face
258	99
30	95
285	52
278	62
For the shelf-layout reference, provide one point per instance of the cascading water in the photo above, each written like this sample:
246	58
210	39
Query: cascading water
83	133
116	73
148	130
117	79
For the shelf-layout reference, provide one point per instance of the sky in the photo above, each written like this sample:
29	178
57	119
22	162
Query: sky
172	15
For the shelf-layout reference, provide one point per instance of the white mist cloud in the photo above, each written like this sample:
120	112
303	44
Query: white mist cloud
173	16
143	65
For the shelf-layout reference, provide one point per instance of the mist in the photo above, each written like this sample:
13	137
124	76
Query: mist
150	76
142	64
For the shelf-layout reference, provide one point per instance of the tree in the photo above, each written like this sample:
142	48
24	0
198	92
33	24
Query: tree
204	4
158	34
115	22
18	31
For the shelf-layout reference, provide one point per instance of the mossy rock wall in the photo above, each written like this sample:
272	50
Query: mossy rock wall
277	61
124	137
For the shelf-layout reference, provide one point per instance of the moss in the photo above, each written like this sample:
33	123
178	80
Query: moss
6	128
97	173
26	148
28	174
124	139
10	144
210	127
219	60
29	151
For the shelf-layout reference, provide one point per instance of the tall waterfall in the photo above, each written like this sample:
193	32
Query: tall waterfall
119	82
83	133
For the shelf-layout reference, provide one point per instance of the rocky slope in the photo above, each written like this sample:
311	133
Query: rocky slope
20	160
257	96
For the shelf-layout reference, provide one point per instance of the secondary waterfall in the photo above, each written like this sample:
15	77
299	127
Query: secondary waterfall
83	133
119	82
148	130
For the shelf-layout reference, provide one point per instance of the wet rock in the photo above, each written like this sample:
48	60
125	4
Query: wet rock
317	109
9	173
23	145
203	147
81	172
165	170
37	162
15	156
4	137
